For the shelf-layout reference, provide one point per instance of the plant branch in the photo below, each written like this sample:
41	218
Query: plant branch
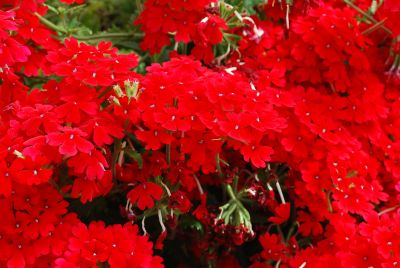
62	30
368	16
374	27
109	35
49	24
388	210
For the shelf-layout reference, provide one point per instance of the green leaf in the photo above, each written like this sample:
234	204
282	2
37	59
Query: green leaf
249	5
136	156
188	222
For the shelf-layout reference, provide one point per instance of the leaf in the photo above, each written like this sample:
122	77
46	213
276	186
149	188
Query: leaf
249	5
188	222
136	156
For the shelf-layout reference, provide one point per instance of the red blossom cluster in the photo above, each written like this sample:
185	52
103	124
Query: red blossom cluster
288	142
189	21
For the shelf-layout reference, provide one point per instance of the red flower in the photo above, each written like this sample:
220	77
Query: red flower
6	179
308	224
104	128
11	51
236	127
32	172
201	212
144	194
77	105
36	222
179	200
22	253
282	213
154	138
35	118
93	165
160	240
87	242
173	119
273	249
275	77
86	189
70	141
200	146
257	154
211	28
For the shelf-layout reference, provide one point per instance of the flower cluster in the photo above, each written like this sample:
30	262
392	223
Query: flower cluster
186	20
267	136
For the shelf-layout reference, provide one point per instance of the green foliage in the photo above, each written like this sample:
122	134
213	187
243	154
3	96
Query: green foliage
246	5
95	15
249	5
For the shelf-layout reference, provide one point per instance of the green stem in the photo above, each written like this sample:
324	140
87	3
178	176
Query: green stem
235	183
278	228
328	199
396	61
74	9
230	192
59	29
218	164
291	230
148	213
374	27
108	36
104	92
51	8
50	24
116	151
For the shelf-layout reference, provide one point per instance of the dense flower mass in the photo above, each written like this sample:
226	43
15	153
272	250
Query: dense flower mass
209	134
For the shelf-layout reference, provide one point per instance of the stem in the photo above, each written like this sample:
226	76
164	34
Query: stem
143	226
108	36
368	16
166	188
278	187
121	153
56	28
291	230
50	24
218	164
230	192
198	184
235	183
287	16
278	228
104	92
148	213
388	210
160	219
328	198
184	49
131	145
117	148
51	8
374	27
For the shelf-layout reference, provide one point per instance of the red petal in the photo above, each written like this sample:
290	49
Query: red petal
68	148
